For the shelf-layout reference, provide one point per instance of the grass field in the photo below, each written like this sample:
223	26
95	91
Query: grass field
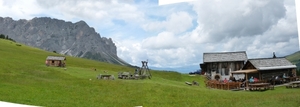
25	79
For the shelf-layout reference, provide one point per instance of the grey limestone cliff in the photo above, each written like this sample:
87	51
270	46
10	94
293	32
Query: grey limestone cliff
74	39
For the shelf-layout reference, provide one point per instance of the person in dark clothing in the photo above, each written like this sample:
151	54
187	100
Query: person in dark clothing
232	78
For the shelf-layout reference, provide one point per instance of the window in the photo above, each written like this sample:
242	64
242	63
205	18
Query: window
214	65
224	65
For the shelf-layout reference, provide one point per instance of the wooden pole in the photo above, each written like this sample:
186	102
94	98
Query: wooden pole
246	81
259	74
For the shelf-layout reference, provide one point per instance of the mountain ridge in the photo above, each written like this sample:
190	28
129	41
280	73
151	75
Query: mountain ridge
75	39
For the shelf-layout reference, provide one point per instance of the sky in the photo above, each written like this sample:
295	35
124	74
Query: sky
175	36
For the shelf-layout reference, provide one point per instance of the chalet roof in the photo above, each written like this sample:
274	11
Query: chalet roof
56	58
224	56
271	63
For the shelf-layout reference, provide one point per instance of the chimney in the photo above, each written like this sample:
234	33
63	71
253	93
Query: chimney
274	56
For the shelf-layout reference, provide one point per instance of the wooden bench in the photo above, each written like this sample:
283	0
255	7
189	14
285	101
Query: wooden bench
295	84
188	83
259	86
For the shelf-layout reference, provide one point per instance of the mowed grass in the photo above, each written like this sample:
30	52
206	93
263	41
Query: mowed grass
25	79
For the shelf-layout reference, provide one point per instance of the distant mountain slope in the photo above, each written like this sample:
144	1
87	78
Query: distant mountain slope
294	58
74	39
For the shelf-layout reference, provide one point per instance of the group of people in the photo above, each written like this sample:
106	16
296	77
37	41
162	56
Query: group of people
231	79
243	81
251	80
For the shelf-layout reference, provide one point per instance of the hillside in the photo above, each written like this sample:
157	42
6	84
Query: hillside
73	39
294	58
26	80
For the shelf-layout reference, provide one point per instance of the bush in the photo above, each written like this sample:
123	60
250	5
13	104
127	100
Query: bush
2	36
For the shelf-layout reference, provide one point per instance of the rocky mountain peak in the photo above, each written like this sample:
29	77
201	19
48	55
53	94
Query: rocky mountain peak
75	39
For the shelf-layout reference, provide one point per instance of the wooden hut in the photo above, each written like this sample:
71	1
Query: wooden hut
265	69
270	67
58	61
220	64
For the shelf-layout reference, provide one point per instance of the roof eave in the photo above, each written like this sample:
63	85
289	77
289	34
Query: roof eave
225	61
277	67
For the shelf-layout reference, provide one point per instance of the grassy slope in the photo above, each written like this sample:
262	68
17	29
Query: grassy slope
294	58
25	79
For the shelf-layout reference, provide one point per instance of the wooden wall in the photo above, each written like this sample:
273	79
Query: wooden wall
269	73
54	62
223	68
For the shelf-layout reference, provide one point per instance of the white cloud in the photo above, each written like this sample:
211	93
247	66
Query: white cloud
222	19
91	11
177	22
164	2
164	40
19	9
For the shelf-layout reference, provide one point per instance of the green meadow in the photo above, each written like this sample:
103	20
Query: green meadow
25	79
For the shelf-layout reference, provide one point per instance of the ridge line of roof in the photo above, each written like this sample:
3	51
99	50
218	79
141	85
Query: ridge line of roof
266	58
224	52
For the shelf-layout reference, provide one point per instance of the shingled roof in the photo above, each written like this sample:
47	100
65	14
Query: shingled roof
56	58
271	63
224	56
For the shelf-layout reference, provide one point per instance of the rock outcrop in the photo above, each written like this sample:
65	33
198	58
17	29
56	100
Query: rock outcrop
74	39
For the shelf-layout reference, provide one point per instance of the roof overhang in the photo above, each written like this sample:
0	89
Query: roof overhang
245	71
277	67
225	61
56	58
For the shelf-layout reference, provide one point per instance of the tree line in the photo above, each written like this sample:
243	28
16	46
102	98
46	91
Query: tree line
2	36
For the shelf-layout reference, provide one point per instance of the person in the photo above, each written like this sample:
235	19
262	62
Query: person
276	77
283	76
294	74
234	80
272	80
251	79
225	80
231	79
255	79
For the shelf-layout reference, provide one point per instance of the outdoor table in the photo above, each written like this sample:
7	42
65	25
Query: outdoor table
260	86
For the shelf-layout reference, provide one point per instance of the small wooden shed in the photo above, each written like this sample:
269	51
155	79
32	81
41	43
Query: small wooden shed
58	61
